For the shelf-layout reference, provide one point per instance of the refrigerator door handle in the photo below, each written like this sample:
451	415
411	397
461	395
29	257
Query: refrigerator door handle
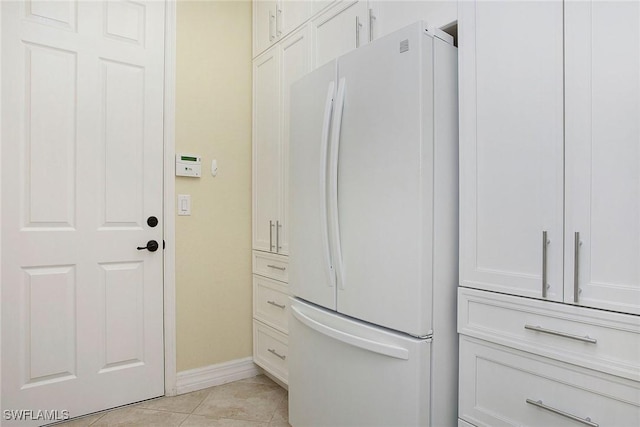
334	149
326	123
353	340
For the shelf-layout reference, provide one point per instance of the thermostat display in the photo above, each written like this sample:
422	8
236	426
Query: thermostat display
188	165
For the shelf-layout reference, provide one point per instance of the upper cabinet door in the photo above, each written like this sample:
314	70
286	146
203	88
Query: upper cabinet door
603	154
340	29
291	14
264	25
295	54
387	16
511	147
266	149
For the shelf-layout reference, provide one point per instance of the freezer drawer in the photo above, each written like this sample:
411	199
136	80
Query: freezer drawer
346	373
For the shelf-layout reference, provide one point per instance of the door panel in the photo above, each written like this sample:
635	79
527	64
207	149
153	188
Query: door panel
385	184
295	62
82	153
511	138
603	154
266	150
311	274
335	32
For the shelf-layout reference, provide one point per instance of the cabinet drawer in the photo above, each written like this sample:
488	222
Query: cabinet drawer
604	341
505	387
271	265
271	350
271	303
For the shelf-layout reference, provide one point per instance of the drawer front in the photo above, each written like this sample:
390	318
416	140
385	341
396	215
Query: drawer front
271	266
604	341
271	350
271	303
500	386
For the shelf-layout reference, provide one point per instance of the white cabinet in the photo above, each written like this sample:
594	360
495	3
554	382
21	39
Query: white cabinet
273	73
511	154
388	16
550	146
602	145
341	28
274	19
266	149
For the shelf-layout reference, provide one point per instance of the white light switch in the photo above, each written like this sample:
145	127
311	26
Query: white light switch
184	204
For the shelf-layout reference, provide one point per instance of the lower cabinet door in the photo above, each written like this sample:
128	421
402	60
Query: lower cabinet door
500	386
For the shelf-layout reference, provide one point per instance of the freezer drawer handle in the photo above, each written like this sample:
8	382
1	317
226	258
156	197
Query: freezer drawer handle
364	343
275	353
586	421
561	334
275	304
276	267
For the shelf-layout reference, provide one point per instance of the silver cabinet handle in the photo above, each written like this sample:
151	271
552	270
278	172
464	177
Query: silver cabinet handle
278	21
276	267
576	258
275	304
545	242
278	227
275	353
586	421
272	18
358	25
270	236
561	334
372	18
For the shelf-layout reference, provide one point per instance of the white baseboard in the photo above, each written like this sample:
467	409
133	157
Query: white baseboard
212	375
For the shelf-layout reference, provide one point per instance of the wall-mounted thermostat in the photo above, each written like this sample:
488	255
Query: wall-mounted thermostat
188	165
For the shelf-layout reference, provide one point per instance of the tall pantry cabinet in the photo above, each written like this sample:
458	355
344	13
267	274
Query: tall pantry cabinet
550	210
290	38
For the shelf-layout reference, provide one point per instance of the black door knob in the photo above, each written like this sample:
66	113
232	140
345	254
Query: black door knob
152	221
152	246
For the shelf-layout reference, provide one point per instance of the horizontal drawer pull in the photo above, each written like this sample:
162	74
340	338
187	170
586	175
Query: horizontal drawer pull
276	267
586	421
282	306
275	353
561	334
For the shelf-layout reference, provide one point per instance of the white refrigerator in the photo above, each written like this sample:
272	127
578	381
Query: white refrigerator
373	236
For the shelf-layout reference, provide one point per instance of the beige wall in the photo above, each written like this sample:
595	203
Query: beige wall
213	119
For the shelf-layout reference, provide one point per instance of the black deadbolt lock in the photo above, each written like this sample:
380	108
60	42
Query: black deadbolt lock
152	221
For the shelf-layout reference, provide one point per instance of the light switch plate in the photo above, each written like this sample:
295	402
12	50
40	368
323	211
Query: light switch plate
184	204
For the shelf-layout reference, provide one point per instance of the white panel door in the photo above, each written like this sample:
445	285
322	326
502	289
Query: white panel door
311	274
82	167
511	147
295	62
603	154
340	29
266	149
385	183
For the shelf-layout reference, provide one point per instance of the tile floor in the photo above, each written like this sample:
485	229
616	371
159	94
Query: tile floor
254	402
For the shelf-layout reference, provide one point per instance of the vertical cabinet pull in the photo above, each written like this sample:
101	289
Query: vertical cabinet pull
278	227
544	264
358	25
372	18
279	21
586	421
272	18
576	258
270	236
